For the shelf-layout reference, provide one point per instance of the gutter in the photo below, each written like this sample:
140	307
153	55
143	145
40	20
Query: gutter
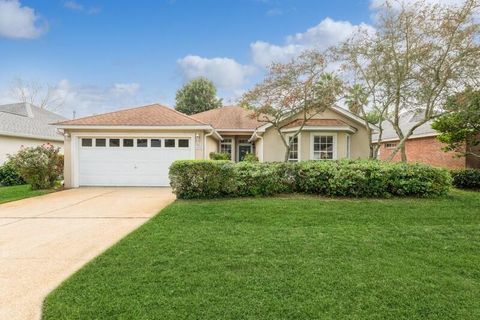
205	143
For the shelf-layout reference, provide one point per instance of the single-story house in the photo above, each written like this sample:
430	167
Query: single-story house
23	124
135	147
422	146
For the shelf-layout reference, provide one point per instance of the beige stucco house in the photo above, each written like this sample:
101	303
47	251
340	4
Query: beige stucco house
135	147
23	124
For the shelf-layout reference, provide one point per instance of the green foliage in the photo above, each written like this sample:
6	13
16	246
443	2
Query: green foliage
460	128
39	166
466	178
346	178
202	178
9	175
250	157
196	96
263	179
219	156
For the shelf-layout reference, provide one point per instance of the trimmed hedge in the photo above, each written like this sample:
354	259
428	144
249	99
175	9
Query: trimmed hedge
359	178
466	178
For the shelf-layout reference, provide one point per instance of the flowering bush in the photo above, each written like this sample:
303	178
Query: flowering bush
39	166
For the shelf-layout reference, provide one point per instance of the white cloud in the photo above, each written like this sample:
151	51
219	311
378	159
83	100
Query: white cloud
126	88
17	21
324	35
274	12
225	73
75	6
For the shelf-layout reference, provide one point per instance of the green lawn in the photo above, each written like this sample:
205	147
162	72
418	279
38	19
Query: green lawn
288	258
13	193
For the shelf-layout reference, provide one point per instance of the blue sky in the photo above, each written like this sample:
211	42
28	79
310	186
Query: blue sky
105	55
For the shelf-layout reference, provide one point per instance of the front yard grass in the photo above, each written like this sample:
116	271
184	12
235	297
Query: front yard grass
293	257
14	193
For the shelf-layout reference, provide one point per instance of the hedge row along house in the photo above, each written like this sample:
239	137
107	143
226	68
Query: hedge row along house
135	147
422	146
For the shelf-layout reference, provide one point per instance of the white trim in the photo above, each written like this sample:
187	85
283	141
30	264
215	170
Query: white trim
342	111
76	136
235	130
123	127
321	128
31	136
320	134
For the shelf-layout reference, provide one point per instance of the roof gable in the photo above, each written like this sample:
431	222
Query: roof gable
229	117
26	120
150	115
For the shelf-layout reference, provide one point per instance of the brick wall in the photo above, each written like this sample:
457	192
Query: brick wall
426	150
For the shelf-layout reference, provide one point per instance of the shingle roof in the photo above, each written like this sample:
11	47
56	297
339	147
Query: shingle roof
150	115
24	119
230	117
407	121
315	123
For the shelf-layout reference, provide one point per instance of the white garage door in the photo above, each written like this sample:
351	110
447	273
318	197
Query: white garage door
139	161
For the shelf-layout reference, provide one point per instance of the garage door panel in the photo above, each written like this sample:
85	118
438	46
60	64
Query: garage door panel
128	166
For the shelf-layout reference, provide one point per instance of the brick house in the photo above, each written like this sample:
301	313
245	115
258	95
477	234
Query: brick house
422	146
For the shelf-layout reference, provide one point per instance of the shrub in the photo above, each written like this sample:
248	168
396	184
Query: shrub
360	178
219	156
39	166
250	157
202	178
466	178
9	175
263	179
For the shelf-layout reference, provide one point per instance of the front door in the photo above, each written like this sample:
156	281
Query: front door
243	149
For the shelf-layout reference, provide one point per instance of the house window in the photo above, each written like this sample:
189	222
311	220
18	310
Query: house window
226	146
142	143
348	146
100	142
128	142
155	143
323	147
114	142
86	142
293	155
390	145
169	143
183	143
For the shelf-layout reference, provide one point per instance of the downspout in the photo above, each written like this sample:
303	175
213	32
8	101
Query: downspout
255	134
261	150
205	143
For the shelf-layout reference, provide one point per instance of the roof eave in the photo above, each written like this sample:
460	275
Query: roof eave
134	127
32	136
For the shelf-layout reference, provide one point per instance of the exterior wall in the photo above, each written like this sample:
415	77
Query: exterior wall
11	145
426	150
274	149
70	162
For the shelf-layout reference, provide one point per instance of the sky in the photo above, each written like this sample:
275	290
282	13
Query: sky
99	56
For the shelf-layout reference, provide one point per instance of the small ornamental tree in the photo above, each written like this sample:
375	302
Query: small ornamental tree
460	128
300	87
39	166
197	96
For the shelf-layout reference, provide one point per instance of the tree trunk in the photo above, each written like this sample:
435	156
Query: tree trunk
403	153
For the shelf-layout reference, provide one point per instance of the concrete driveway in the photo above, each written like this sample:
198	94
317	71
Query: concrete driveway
45	239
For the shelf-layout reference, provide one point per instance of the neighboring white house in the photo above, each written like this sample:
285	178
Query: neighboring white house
22	124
